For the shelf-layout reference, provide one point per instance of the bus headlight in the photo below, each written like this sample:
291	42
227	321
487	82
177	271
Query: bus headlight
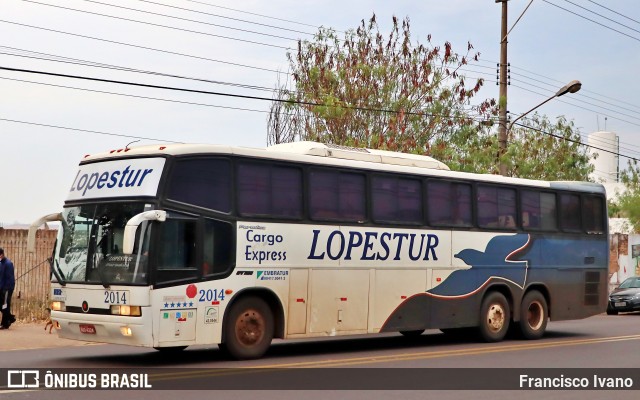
58	306
130	311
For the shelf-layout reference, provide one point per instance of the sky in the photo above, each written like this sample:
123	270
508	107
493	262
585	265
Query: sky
48	123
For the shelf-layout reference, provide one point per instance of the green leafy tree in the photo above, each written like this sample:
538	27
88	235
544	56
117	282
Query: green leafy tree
375	91
370	90
547	150
627	203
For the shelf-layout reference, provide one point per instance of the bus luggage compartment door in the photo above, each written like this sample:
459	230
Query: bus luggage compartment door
298	300
339	301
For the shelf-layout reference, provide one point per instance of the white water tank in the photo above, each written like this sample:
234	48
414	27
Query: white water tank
606	164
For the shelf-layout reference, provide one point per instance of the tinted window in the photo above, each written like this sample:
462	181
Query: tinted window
337	196
201	182
496	207
593	214
570	212
538	210
216	247
269	190
396	200
449	204
177	252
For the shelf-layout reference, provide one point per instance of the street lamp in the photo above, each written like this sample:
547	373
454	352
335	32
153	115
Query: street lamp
570	87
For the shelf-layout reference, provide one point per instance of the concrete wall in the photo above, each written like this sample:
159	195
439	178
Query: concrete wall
624	257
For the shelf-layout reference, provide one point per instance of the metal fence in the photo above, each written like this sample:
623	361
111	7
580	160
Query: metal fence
33	284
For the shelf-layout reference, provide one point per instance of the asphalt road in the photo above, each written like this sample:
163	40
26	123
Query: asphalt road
365	361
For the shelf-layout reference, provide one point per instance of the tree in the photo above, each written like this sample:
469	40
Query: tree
370	91
628	202
548	151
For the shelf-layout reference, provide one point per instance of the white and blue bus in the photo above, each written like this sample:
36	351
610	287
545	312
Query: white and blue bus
177	245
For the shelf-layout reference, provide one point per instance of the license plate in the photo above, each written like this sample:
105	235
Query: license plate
620	304
89	329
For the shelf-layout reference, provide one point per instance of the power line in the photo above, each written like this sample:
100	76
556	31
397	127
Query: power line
624	148
86	130
595	22
579	94
136	96
587	109
120	68
140	47
615	12
232	95
581	90
574	141
167	26
585	102
246	12
86	63
575	105
602	16
191	20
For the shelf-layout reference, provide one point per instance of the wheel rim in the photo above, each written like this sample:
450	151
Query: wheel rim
535	315
250	327
496	318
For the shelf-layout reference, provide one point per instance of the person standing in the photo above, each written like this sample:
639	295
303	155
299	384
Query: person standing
7	285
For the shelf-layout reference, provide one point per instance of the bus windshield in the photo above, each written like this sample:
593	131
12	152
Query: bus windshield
89	247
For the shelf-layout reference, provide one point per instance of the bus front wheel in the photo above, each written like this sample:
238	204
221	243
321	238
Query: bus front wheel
494	317
248	329
533	315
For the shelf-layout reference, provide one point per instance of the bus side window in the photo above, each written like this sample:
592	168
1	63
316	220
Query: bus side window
449	203
538	210
337	196
216	247
177	255
496	207
593	214
570	212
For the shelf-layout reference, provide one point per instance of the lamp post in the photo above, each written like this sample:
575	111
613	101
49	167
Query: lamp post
570	87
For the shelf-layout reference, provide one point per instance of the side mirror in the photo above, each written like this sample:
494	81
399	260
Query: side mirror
130	229
33	228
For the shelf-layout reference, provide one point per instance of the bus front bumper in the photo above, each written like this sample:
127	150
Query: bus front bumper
132	331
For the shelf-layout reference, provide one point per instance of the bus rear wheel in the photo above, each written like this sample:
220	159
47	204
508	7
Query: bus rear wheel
495	315
248	329
533	315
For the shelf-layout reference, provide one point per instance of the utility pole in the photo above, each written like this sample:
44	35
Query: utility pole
502	101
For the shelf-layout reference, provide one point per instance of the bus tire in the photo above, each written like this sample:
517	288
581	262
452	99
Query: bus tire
415	333
534	314
248	329
495	315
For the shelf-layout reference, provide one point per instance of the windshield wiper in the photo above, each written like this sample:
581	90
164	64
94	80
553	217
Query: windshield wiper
103	280
96	265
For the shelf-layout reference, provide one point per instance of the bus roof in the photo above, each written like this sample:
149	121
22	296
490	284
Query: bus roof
341	156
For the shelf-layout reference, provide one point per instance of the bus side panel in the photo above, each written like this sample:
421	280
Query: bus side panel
429	311
575	272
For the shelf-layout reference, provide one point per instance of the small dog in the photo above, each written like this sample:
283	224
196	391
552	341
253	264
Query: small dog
49	323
